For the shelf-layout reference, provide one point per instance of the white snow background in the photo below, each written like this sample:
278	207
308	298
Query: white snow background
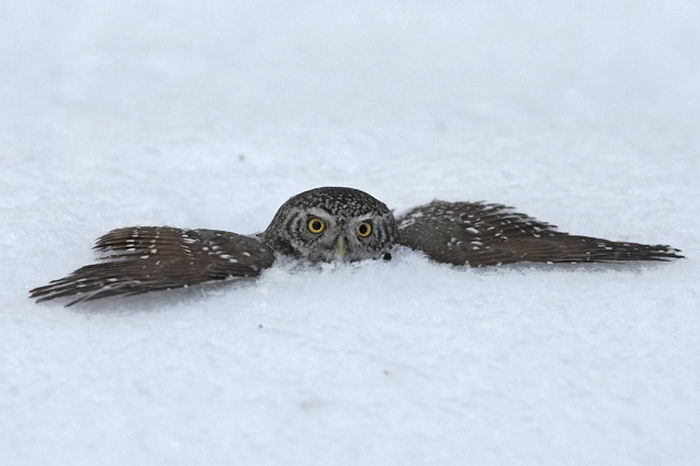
211	114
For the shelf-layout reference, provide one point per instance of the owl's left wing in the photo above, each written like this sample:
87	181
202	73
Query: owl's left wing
142	259
481	234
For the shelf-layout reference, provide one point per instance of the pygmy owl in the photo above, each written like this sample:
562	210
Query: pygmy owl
333	224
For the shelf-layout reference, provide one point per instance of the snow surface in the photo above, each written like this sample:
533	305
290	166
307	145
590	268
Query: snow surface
212	113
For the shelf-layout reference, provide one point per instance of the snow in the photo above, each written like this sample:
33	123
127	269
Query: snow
211	114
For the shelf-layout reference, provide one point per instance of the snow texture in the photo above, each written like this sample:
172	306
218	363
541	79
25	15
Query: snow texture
210	114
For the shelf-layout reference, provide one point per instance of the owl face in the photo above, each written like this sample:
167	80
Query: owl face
333	224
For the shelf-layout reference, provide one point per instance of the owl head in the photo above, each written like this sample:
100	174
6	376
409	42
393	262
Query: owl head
333	224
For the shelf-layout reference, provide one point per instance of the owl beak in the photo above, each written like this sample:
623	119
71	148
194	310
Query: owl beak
340	246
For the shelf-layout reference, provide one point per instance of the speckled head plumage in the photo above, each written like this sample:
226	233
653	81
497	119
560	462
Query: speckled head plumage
333	223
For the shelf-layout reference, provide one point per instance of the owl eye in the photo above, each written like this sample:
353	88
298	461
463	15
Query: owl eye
364	229
316	225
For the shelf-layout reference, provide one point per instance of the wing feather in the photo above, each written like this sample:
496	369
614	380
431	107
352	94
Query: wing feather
481	234
137	260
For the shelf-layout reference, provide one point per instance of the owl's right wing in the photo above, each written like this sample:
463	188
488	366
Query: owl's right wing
142	259
480	234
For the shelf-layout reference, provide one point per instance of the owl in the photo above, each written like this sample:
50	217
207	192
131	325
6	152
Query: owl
332	224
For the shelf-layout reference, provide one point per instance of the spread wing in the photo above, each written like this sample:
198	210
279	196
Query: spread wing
142	259
480	234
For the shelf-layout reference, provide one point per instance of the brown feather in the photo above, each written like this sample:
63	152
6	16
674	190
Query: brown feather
142	259
480	234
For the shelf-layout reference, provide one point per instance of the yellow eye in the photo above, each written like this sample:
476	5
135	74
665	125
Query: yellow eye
316	225
364	229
